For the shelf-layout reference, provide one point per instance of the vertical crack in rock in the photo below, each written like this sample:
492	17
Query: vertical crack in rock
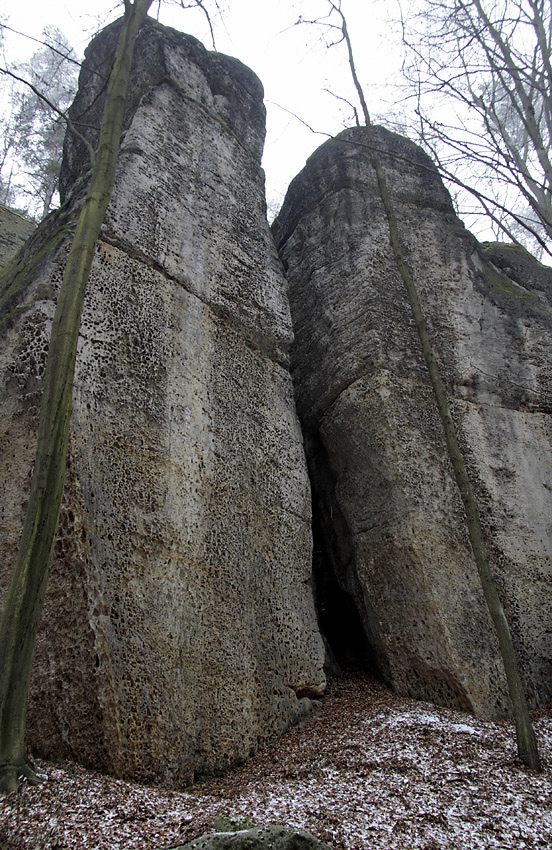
385	500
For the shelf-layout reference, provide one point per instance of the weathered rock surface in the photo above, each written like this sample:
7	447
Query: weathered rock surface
15	229
179	632
260	838
388	512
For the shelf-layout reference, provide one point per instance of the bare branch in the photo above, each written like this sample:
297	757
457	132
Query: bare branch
348	102
65	56
50	105
200	4
487	66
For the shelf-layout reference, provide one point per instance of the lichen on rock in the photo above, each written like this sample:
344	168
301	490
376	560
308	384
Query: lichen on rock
259	838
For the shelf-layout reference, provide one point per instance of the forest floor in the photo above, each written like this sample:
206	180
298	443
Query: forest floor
369	770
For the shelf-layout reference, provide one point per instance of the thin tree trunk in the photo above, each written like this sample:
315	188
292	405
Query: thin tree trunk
48	200
26	594
526	740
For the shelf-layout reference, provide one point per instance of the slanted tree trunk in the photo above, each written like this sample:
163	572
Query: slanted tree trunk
49	194
526	740
26	593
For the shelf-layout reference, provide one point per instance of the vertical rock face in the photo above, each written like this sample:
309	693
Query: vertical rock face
389	516
179	631
14	230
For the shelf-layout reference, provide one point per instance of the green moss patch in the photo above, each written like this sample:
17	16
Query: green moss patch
20	271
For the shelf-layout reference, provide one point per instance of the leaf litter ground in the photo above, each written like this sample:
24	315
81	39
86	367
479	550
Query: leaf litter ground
368	769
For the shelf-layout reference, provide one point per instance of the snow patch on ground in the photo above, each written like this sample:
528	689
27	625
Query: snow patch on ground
369	769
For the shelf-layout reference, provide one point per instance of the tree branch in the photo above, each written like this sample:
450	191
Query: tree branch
50	105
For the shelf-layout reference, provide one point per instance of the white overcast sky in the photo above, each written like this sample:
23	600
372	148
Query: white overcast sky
293	63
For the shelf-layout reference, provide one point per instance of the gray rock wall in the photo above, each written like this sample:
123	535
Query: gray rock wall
391	520
179	631
14	230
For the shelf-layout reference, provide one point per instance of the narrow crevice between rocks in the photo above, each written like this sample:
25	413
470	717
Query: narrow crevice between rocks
348	646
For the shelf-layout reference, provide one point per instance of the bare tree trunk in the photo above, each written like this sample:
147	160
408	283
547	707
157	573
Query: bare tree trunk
25	597
48	200
526	740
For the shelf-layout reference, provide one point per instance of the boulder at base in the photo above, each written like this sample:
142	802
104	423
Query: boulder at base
260	838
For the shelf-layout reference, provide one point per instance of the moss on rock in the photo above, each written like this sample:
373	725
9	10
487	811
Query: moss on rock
19	273
15	229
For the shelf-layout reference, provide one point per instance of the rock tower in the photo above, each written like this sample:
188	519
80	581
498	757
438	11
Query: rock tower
179	633
393	552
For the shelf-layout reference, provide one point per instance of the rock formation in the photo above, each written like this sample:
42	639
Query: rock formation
259	838
392	550
179	631
15	229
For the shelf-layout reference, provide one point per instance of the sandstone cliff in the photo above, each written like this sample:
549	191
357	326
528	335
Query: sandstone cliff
179	631
393	549
14	230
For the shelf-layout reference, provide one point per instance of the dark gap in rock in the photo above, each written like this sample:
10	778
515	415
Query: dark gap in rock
339	617
340	622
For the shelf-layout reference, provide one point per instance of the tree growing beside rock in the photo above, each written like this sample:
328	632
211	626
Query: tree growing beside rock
23	605
526	740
